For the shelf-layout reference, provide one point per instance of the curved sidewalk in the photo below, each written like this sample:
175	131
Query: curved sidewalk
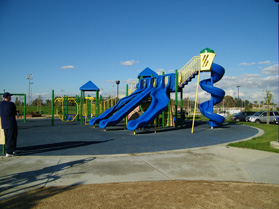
215	163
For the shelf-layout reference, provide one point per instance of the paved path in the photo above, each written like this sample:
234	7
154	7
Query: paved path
215	162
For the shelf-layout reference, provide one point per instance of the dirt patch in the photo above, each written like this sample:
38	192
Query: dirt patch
158	194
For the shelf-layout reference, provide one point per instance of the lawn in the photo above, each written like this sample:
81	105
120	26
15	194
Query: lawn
261	142
46	110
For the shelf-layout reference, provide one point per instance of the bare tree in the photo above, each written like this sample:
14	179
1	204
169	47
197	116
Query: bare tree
268	98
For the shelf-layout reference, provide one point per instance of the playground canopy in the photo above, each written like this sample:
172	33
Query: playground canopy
89	86
147	72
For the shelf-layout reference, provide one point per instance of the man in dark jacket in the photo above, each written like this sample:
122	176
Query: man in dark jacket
9	124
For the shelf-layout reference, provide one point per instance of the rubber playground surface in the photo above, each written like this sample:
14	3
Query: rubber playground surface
38	137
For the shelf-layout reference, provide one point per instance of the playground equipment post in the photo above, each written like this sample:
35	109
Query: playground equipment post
176	88
195	103
52	108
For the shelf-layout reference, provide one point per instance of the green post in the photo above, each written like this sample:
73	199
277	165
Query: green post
169	109
127	89
24	110
52	108
109	106
97	106
100	103
163	113
181	109
176	85
145	87
65	107
81	104
88	106
76	109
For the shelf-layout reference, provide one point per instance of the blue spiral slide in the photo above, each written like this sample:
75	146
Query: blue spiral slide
217	96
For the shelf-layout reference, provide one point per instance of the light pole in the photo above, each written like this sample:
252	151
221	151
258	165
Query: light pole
31	92
238	91
117	83
29	77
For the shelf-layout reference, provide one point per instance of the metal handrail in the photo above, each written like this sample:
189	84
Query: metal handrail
192	66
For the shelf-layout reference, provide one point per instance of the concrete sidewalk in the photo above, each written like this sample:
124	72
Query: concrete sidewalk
215	163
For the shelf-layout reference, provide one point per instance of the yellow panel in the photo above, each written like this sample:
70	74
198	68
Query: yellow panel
2	135
207	60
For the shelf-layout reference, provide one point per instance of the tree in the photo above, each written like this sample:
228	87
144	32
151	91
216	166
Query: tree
238	102
256	103
48	102
18	102
38	101
247	105
262	103
228	101
268	99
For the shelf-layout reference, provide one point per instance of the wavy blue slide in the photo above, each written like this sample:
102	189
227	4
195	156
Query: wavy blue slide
217	96
124	111
109	112
160	101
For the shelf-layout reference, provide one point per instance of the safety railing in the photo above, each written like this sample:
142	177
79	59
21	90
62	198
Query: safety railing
189	69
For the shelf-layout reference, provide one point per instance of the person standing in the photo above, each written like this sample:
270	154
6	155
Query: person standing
9	124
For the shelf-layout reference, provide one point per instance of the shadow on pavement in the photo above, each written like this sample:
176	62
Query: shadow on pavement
13	184
55	146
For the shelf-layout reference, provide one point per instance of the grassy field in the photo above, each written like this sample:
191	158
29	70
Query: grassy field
261	142
46	110
258	143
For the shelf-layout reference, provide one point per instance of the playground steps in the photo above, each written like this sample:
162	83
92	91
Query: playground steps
189	79
189	71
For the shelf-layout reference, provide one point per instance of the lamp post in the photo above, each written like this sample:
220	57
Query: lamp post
29	77
31	92
117	83
238	92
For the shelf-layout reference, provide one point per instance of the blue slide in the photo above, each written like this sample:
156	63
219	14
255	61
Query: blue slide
160	101
119	104
217	96
124	111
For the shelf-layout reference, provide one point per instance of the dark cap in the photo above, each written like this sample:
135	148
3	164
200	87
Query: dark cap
6	94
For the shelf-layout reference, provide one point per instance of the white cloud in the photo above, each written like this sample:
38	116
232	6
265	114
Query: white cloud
131	80
129	62
68	67
267	62
252	86
247	64
110	81
271	70
160	71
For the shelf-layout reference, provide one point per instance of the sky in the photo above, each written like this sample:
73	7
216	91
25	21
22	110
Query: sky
66	43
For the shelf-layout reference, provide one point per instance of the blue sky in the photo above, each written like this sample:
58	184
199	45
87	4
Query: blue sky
65	43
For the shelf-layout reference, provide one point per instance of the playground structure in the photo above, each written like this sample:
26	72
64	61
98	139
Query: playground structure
152	89
69	109
159	88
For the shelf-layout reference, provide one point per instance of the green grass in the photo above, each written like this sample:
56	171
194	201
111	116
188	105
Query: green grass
261	142
45	110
